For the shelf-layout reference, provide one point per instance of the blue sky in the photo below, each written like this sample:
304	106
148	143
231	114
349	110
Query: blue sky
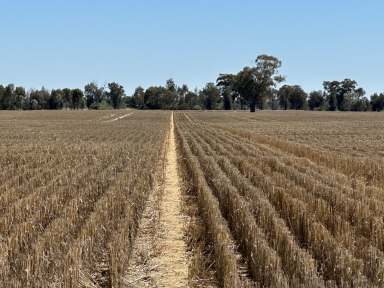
69	43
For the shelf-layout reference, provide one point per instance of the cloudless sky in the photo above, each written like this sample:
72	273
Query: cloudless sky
69	43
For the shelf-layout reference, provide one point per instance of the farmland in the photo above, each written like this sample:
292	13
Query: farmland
298	195
228	199
73	186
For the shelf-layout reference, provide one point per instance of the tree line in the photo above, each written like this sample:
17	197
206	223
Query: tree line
254	87
92	97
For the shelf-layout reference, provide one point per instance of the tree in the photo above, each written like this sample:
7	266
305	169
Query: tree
77	98
181	94
297	98
115	94
39	99
377	102
254	83
346	94
332	89
169	95
227	99
341	94
35	100
357	101
283	95
34	105
171	85
192	100
2	93
246	86
93	95
67	98
152	97
211	96
316	100
56	99
20	96
226	82
138	98
8	97
273	99
292	97
360	104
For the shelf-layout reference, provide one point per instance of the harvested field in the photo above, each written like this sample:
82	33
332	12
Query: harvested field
132	198
73	188
299	194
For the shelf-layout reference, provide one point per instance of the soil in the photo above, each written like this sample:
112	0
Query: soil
160	258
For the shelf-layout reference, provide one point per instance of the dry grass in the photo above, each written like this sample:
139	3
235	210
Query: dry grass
302	193
73	189
273	199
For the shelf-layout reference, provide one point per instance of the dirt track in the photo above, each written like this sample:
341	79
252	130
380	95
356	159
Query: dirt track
160	258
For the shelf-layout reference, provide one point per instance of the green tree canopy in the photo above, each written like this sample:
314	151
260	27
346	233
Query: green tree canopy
77	98
211	96
115	94
138	98
377	102
254	83
342	94
226	82
292	97
93	95
316	100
